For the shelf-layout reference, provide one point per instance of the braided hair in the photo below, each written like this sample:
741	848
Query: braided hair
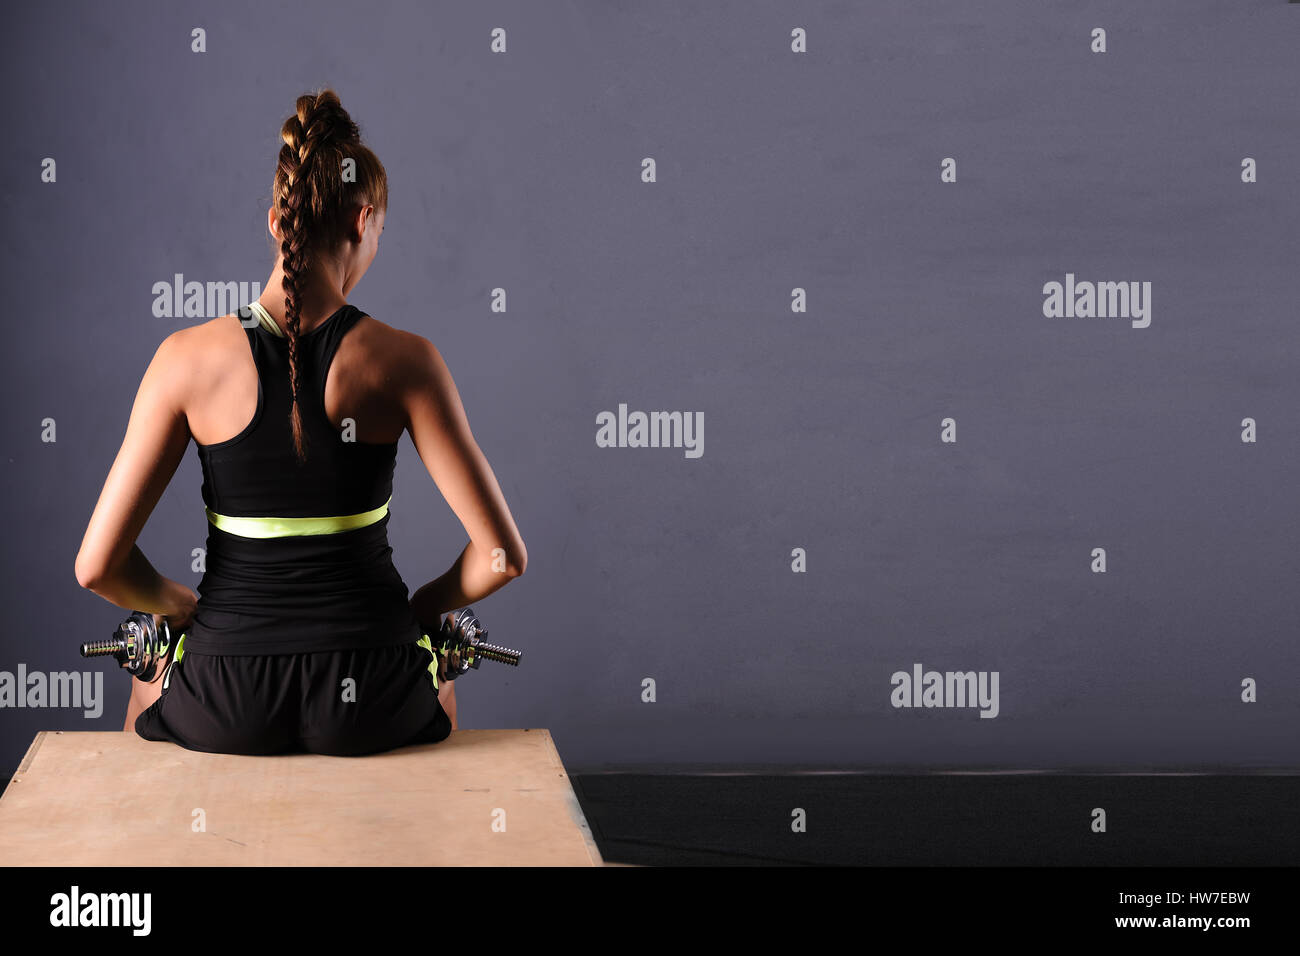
313	201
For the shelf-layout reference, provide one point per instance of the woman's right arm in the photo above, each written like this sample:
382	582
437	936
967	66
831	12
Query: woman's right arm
441	434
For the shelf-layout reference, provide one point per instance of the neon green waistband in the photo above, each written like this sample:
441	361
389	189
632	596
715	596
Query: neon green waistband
287	527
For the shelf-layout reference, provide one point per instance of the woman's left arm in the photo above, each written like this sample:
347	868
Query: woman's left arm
157	435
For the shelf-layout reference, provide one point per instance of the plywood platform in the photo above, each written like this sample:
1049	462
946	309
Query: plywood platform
480	797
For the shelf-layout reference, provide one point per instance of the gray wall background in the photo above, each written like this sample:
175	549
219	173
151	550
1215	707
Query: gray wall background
775	170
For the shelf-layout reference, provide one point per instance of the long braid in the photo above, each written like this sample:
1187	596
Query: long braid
313	204
294	262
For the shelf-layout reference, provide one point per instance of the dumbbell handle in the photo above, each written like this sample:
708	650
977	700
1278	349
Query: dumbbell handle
494	652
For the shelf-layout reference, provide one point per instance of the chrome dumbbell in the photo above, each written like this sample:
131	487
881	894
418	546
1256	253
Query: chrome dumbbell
461	644
139	645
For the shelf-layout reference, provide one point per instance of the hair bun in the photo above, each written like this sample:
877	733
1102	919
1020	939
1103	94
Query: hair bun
319	121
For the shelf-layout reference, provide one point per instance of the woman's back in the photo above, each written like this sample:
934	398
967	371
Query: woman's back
297	585
359	384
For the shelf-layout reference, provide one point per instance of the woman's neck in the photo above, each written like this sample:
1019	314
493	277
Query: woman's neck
320	295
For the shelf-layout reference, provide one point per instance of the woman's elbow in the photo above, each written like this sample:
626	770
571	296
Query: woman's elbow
509	560
516	559
88	574
518	562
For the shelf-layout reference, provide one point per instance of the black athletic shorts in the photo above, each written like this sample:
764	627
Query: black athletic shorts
344	703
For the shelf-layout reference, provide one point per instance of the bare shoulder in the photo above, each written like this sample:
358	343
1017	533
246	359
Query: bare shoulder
192	363
200	338
405	359
200	348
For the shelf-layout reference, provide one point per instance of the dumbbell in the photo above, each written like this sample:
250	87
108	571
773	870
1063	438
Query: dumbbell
138	645
461	644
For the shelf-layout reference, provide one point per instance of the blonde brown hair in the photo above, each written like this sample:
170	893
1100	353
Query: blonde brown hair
314	203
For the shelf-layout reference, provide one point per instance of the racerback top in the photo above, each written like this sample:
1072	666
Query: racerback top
287	586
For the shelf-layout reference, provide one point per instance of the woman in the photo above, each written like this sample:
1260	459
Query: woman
304	637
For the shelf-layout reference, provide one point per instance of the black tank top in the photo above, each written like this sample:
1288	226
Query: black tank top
297	592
